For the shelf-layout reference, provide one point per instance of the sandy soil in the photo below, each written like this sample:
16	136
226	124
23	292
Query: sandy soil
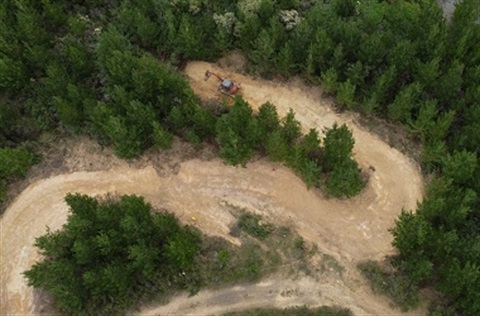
349	230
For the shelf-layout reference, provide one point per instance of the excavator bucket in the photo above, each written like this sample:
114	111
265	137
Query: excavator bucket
207	75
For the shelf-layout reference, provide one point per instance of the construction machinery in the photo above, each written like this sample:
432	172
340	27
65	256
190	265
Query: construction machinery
226	86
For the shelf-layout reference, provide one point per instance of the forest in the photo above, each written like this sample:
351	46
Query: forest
110	70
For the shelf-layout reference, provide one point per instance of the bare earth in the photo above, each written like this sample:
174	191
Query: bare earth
349	230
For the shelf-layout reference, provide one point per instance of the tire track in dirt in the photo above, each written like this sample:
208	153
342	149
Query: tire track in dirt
351	230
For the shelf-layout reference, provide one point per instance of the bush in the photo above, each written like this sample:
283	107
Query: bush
250	223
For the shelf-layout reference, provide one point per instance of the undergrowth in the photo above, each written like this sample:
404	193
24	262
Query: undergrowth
294	311
264	250
394	285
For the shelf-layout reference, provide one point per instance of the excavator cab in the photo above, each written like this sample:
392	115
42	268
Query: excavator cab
226	86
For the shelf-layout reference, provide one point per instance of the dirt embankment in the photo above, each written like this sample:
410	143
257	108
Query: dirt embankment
349	230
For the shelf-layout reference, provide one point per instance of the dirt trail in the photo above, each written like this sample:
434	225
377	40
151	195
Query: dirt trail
351	231
396	182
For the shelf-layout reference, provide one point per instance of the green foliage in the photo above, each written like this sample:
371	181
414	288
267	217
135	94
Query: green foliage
346	94
15	162
161	136
290	128
294	311
396	286
189	38
268	121
236	145
304	159
330	81
438	242
109	250
338	145
460	281
345	8
344	175
404	103
13	75
277	147
263	49
460	166
285	62
345	180
252	225
308	169
81	69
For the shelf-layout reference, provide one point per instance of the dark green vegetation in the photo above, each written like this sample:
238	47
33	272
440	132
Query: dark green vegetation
111	254
294	311
240	132
88	66
14	163
108	69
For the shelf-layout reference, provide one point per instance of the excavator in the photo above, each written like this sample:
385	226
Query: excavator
227	86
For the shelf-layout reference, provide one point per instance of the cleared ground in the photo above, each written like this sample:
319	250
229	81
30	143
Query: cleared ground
348	230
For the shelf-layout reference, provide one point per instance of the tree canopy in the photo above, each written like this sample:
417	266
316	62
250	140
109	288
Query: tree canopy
108	251
107	69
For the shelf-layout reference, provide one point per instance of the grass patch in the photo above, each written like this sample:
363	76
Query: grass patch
265	249
294	311
252	225
391	284
329	263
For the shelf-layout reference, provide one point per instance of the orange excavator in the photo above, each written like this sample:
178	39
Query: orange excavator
226	86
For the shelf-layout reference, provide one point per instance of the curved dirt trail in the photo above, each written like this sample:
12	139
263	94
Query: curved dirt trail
396	182
351	231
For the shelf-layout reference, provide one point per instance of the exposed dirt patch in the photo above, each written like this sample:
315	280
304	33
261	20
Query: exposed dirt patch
348	231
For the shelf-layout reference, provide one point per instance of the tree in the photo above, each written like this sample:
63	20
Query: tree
318	54
460	283
188	39
135	20
13	75
307	167
356	73
310	144
344	180
277	147
344	8
232	133
338	144
405	102
262	51
384	84
109	250
346	94
330	81
268	121
285	63
15	162
460	166
343	174
290	128
161	137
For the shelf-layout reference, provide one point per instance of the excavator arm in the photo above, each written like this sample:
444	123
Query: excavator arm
208	74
